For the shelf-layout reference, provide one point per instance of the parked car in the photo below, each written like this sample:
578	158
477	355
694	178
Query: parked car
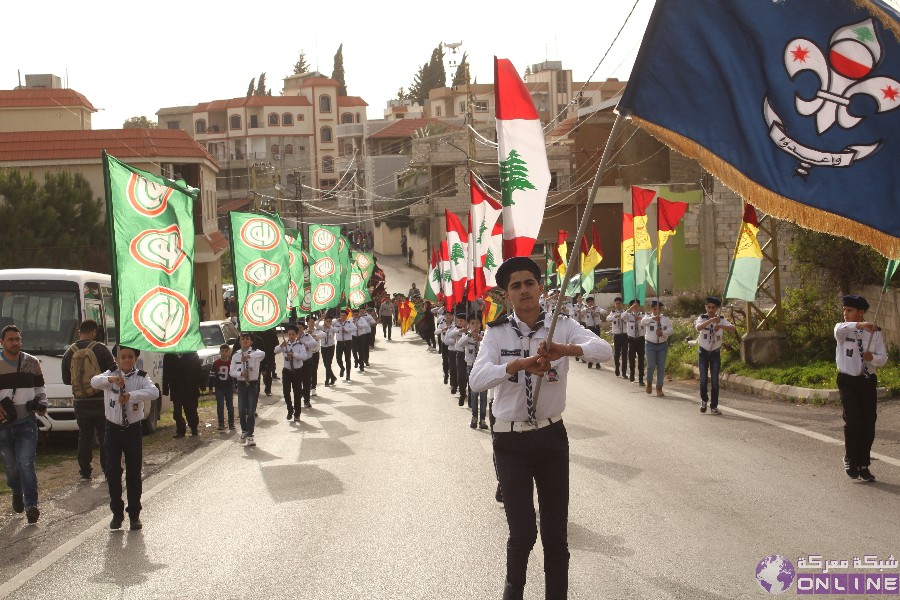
613	279
214	334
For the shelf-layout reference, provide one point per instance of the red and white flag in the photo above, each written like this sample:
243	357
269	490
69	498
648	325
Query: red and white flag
458	245
446	281
492	258
485	212
524	171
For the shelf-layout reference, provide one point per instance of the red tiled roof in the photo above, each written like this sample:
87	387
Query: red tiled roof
319	81
121	143
351	101
234	204
252	101
42	97
564	127
404	128
217	241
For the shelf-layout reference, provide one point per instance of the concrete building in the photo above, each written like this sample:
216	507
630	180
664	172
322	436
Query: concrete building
44	109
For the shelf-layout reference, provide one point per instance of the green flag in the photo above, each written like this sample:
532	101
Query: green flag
296	270
261	270
366	264
359	294
889	272
151	226
551	265
324	273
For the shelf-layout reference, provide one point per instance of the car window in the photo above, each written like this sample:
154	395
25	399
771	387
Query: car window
230	330
212	335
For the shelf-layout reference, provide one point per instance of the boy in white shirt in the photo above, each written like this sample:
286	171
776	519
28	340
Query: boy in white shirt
245	370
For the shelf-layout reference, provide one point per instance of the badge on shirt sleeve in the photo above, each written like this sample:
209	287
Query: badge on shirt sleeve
552	375
516	352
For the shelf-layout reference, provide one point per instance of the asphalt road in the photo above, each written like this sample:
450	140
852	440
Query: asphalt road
383	491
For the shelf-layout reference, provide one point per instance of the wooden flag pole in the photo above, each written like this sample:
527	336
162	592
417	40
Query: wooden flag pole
582	226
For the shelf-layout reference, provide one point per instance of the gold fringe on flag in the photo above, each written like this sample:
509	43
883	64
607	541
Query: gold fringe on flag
887	20
768	201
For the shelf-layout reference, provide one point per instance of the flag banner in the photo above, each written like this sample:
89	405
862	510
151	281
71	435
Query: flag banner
524	171
743	278
403	310
628	286
888	273
433	285
359	294
457	244
485	213
643	246
366	263
446	277
791	104
305	306
152	237
324	272
344	261
550	267
491	311
651	274
593	258
470	263
668	215
261	270
493	258
295	269
559	253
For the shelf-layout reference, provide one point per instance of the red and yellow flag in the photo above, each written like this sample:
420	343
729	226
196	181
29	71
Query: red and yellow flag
669	214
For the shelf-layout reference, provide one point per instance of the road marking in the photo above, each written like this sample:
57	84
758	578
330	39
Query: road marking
28	573
793	428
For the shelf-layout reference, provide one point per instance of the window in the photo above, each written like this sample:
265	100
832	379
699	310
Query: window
325	103
288	148
481	105
274	150
328	183
301	117
273	120
173	124
253	122
437	110
200	125
357	118
328	164
287	119
554	182
325	135
234	122
346	118
462	107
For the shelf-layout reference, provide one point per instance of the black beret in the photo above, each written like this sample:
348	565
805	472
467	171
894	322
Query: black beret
713	300
633	302
292	327
654	303
617	299
855	301
461	314
516	263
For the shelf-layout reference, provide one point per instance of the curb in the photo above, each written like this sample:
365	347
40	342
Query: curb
781	391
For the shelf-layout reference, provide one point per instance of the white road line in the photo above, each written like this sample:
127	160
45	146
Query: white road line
793	428
28	573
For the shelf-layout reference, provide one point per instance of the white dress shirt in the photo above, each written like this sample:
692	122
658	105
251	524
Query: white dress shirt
344	332
847	354
248	361
296	348
657	333
710	339
618	323
139	387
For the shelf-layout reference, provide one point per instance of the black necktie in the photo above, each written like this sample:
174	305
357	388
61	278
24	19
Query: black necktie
526	352
865	368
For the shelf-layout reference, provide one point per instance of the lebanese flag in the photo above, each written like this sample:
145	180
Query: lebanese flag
492	259
458	246
446	282
485	212
524	172
470	263
433	285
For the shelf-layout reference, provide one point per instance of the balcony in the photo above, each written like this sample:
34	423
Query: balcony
349	130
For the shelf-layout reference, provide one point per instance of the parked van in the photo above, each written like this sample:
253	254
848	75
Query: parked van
48	305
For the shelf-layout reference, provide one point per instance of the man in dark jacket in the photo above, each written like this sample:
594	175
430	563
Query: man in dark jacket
182	380
89	411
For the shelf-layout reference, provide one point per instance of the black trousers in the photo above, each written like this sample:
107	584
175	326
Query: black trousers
462	374
343	357
124	441
445	357
306	375
371	335
314	375
90	415
454	376
525	460
620	348
327	358
636	349
386	326
361	351
185	401
292	380
859	401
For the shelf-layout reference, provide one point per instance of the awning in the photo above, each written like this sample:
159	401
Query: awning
209	246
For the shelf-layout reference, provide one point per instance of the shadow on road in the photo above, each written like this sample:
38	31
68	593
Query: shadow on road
613	470
289	483
126	562
582	538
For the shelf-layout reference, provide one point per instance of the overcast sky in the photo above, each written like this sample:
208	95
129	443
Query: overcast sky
134	58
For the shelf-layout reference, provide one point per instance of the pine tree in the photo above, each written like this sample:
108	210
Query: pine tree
513	176
417	91
401	95
459	78
437	74
139	123
301	66
251	87
338	73
261	85
457	253
489	262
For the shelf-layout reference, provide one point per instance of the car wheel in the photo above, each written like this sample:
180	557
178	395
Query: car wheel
148	425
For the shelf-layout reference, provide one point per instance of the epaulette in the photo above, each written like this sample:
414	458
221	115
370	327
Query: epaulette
142	373
501	320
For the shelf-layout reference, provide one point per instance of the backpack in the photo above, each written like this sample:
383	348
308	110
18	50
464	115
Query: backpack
84	366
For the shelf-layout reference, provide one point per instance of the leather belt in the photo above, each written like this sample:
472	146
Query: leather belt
501	426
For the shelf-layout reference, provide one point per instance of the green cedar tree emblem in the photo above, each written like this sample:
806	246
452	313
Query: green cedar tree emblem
481	229
447	275
489	263
513	176
864	34
435	276
457	253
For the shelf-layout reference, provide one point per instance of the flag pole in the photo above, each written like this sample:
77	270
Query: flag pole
595	187
114	266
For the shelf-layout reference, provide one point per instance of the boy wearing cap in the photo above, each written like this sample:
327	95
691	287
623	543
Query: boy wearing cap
657	328
344	334
860	350
591	317
635	331
620	336
529	439
712	330
295	354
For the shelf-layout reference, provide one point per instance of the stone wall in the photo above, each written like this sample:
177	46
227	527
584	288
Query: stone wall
888	313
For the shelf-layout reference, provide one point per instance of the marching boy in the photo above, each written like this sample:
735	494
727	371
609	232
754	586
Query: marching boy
125	390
